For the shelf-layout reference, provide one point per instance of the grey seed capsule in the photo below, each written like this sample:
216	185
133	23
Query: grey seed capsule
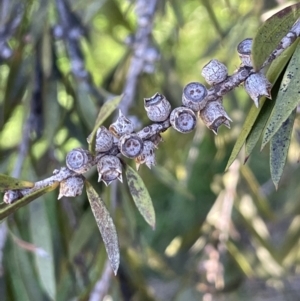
183	119
214	115
147	156
257	85
244	51
157	107
104	140
71	187
79	160
109	169
121	126
193	96
214	72
130	145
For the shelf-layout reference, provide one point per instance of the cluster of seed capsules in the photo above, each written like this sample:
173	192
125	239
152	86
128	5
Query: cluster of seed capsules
120	137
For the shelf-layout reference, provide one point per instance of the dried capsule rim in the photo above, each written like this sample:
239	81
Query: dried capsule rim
154	100
177	115
131	145
194	91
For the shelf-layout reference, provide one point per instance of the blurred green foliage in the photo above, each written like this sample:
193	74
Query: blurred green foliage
218	236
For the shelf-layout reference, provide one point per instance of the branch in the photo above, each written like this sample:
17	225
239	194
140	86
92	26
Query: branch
121	139
145	14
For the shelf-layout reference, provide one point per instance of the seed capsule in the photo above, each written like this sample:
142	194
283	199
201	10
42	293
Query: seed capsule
79	160
147	156
71	187
109	168
104	140
183	119
193	96
130	145
10	196
244	51
121	126
214	115
214	72
257	85
157	107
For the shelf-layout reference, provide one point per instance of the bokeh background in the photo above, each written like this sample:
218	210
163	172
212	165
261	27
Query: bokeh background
218	236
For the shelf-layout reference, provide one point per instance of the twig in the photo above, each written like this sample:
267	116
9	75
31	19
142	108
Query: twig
145	134
145	14
286	41
145	18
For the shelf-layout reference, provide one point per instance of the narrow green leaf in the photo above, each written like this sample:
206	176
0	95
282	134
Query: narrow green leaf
279	146
271	32
168	179
86	105
287	99
107	108
82	234
258	127
291	239
41	237
13	273
260	200
7	182
239	257
106	226
9	209
140	195
24	267
247	126
257	228
52	111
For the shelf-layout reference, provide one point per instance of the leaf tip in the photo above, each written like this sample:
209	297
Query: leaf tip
263	146
115	268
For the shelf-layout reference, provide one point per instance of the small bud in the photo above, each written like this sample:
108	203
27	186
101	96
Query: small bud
183	119
10	196
104	140
214	115
257	85
130	145
193	96
157	107
79	160
109	168
121	126
214	72
244	51
147	156
71	187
